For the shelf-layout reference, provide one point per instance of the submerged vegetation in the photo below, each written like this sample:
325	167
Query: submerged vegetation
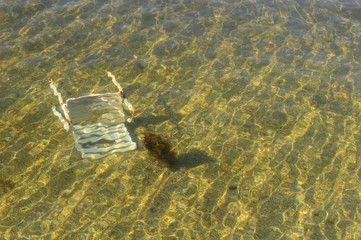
160	150
165	156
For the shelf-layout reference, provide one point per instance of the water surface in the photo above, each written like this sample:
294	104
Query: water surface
260	99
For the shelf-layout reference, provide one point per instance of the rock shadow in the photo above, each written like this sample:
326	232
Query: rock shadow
192	159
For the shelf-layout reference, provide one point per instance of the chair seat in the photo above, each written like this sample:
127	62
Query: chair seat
98	125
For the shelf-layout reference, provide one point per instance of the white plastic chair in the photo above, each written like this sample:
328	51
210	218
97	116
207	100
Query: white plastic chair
97	121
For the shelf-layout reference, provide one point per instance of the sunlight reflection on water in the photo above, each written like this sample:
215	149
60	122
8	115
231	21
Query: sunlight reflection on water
264	94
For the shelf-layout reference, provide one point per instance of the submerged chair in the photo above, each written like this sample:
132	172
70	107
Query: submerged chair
97	121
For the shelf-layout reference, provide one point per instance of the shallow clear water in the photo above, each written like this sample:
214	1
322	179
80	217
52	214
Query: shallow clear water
260	99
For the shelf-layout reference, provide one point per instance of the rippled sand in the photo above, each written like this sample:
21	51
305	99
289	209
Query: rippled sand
259	99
